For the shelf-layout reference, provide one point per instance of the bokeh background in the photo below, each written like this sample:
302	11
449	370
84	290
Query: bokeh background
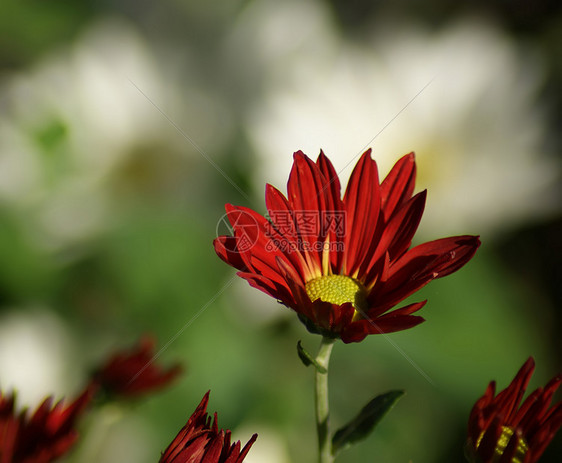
126	126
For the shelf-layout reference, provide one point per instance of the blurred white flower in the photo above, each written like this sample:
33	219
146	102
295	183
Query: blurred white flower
34	356
268	36
270	445
477	129
80	129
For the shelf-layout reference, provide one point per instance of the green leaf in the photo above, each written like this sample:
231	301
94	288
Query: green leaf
308	359
364	423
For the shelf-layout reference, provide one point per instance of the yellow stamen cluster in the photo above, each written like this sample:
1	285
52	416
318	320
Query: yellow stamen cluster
502	443
337	289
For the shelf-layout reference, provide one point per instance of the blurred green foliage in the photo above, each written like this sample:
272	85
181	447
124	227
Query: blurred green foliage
31	28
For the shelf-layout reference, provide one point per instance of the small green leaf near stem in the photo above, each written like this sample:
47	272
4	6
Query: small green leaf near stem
308	359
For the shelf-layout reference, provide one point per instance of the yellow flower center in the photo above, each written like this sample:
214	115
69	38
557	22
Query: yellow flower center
503	440
337	289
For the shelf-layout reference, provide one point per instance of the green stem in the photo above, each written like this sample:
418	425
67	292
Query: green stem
322	402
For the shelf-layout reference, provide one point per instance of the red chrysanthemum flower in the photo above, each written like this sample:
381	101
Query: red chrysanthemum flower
135	372
501	430
42	437
201	441
342	264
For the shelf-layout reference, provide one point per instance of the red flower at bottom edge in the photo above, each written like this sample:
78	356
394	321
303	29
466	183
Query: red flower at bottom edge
200	441
44	436
500	430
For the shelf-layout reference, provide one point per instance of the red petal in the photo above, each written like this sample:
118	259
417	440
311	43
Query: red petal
283	218
408	218
246	230
260	252
362	206
306	197
419	266
477	422
357	331
332	317
334	206
214	451
331	182
547	431
397	235
524	408
225	247
246	448
509	399
406	310
398	185
448	254
280	213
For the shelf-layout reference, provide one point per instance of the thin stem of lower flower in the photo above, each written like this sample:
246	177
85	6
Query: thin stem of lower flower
322	402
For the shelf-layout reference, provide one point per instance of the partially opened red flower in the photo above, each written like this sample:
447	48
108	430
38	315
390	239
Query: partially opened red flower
201	441
342	264
501	429
134	372
42	437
